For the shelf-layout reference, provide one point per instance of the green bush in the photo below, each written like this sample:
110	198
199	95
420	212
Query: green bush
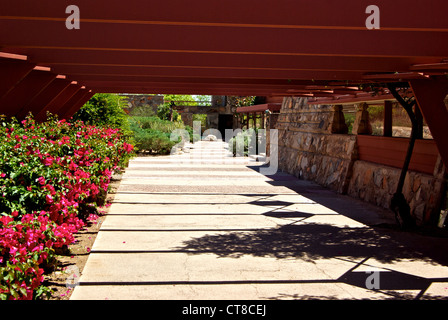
153	141
164	111
244	141
104	110
349	120
152	134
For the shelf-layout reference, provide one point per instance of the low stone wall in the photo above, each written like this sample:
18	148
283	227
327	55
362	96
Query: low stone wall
376	183
309	149
144	104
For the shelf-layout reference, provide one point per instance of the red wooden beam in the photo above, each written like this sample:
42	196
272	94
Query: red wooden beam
57	102
12	71
442	66
72	101
39	102
228	40
398	76
65	57
430	95
25	91
398	14
180	90
347	99
77	105
136	72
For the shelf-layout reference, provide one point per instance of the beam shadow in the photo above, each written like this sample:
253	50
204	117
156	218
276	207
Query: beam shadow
308	241
429	242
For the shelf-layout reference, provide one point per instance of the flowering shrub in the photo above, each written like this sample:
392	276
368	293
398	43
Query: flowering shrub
49	172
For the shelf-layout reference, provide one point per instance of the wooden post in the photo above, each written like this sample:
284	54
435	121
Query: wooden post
387	124
262	121
430	95
419	120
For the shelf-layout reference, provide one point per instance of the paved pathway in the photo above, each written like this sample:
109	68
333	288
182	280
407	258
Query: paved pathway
215	228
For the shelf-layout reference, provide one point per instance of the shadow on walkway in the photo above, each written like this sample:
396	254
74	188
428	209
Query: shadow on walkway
311	241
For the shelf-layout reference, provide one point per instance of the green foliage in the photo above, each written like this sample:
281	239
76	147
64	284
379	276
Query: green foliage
153	141
105	110
241	101
193	136
152	134
376	113
349	120
244	143
142	111
202	118
186	99
164	112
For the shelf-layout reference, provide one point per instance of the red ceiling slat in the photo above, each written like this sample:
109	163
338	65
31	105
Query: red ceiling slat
235	40
44	98
76	106
12	72
33	84
56	103
324	13
64	108
74	57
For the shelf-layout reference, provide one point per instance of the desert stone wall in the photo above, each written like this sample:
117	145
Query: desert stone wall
308	149
314	145
142	104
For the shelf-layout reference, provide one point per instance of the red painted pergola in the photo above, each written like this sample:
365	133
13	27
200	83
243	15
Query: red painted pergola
318	49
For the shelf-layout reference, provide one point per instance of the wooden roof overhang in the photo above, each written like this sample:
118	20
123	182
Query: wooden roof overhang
224	47
232	47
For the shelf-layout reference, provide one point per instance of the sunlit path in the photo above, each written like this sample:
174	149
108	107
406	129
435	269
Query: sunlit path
224	231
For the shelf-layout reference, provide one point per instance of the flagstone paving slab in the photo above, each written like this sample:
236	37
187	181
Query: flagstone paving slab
202	225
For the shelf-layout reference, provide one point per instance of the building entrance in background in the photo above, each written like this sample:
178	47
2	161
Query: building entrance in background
225	121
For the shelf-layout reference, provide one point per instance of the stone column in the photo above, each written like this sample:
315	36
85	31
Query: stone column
362	123
338	124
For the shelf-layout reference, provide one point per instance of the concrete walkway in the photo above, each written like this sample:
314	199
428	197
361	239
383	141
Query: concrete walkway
215	228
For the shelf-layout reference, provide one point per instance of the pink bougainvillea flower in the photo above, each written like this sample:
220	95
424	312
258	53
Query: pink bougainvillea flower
6	220
48	161
41	180
49	199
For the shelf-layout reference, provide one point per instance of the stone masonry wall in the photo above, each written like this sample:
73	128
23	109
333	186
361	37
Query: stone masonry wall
308	149
376	183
